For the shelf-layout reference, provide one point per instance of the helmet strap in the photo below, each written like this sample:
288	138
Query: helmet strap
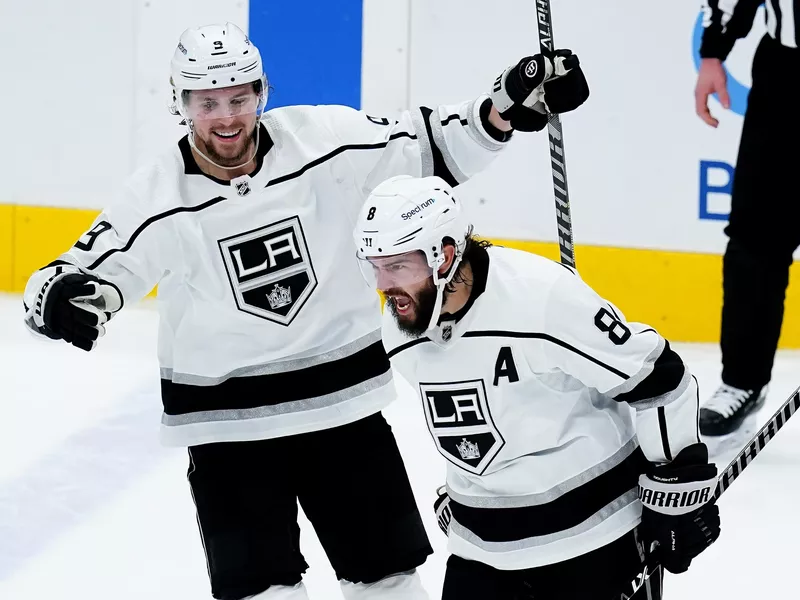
441	284
437	307
201	153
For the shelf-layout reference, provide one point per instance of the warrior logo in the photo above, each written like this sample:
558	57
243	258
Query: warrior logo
530	69
270	270
461	424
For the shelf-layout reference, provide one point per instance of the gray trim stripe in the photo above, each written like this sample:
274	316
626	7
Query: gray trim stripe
475	128
271	368
647	368
553	493
294	406
596	519
425	152
438	138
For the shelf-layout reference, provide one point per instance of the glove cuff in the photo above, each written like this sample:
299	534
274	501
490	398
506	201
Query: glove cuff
500	98
494	133
38	309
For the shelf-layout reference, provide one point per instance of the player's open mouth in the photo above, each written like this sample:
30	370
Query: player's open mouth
402	304
228	136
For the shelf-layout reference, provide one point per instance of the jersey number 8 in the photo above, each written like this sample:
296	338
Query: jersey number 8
91	236
618	333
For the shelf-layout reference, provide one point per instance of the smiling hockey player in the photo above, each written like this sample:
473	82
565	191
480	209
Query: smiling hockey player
527	378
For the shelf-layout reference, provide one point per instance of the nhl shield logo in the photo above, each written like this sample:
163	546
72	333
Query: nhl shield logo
270	270
461	423
242	185
243	188
447	331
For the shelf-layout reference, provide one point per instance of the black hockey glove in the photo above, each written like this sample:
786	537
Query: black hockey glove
679	512
74	307
524	93
442	509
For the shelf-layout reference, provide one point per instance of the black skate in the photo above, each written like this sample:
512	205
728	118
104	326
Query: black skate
727	409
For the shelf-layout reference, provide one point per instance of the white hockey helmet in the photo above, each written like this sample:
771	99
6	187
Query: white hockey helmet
405	215
213	57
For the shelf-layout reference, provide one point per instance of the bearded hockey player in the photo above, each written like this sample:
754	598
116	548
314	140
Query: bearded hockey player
269	340
555	487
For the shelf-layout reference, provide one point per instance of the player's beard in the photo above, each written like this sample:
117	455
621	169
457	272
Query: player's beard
422	304
244	155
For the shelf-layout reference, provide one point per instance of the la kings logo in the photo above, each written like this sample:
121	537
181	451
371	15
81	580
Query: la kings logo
270	270
461	424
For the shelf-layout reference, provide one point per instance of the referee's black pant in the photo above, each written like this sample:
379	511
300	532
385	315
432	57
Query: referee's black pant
764	225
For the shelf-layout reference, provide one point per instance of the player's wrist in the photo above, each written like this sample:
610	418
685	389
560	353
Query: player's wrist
497	134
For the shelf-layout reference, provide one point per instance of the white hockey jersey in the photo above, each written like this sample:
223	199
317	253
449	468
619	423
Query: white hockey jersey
267	327
527	392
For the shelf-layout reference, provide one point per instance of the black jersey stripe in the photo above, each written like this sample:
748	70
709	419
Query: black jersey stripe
665	377
191	209
518	334
566	511
455	117
439	167
547	338
570	269
57	263
662	425
333	153
395	351
277	388
154	219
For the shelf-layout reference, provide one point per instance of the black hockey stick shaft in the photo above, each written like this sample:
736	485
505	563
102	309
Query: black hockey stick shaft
740	463
757	443
558	161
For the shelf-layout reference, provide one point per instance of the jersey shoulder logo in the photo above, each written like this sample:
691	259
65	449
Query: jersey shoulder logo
461	423
270	270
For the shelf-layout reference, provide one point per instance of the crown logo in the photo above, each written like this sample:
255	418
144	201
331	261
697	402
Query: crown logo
468	450
279	297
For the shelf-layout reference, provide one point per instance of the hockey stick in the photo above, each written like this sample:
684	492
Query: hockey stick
558	161
739	464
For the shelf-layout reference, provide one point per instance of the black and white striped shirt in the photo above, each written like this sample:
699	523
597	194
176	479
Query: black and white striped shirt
726	21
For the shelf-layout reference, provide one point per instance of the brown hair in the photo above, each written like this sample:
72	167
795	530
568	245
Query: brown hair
474	246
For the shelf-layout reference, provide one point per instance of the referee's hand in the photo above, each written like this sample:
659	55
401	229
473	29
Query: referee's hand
710	80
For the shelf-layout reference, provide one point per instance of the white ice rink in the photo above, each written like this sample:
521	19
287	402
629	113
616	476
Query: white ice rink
92	508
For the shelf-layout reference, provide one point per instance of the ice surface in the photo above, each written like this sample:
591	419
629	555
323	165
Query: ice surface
92	507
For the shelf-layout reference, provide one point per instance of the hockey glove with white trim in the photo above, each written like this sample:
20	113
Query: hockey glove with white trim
442	509
74	307
678	508
524	93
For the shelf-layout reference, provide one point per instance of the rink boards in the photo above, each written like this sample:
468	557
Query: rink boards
649	183
679	293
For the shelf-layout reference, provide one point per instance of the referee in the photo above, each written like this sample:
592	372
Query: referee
764	226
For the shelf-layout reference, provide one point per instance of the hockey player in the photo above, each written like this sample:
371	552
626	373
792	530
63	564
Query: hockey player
527	379
272	368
